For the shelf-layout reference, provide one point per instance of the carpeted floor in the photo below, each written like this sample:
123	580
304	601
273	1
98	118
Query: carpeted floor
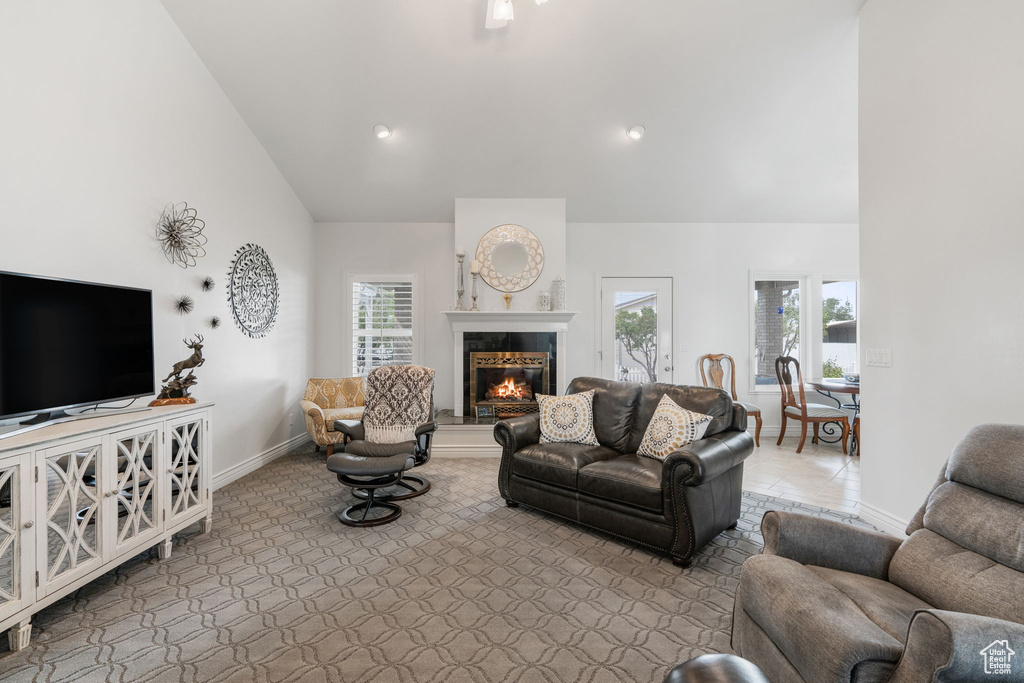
460	588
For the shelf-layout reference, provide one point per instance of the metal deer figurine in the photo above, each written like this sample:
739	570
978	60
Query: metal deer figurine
175	388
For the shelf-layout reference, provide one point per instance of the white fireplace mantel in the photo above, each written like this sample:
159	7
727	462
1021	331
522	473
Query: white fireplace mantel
506	321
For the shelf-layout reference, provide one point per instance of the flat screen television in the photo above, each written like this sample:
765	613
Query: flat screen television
67	344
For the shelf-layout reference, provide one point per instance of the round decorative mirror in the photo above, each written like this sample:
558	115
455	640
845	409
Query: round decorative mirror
511	258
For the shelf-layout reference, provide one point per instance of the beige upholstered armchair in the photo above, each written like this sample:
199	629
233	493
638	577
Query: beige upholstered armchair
329	399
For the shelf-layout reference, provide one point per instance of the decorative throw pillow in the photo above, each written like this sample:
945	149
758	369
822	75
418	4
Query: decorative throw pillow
567	419
672	427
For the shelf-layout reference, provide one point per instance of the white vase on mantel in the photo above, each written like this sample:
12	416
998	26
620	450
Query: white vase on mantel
544	301
558	294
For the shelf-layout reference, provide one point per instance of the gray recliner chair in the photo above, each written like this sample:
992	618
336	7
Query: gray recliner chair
826	601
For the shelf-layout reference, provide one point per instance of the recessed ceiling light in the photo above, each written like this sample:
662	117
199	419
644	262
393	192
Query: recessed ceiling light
503	10
381	131
636	132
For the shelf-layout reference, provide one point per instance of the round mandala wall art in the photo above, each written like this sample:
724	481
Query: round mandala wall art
180	232
253	291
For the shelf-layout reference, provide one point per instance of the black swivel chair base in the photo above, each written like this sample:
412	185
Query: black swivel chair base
414	485
368	487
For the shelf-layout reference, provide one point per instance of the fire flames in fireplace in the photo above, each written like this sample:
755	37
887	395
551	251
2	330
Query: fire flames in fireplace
509	390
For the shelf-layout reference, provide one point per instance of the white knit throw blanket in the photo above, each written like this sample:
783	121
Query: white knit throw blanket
397	402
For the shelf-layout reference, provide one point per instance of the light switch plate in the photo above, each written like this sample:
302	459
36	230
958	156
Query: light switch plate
878	358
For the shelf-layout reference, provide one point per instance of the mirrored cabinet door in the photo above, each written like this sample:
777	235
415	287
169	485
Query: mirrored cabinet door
186	473
135	490
69	493
17	586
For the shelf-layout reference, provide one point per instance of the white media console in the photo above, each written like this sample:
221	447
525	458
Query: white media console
79	498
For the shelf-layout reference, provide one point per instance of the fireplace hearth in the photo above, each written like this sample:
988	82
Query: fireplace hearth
506	382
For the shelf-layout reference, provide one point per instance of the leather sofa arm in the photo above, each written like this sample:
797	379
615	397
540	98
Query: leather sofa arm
703	460
513	434
716	669
953	646
426	428
826	543
517	432
739	418
352	429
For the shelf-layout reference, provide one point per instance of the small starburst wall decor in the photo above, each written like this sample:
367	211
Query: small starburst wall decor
180	232
184	304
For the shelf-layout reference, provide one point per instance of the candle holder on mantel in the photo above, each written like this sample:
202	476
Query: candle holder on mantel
460	290
558	294
508	301
475	276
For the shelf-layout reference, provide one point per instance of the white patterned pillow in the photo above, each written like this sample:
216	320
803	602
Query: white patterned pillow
567	419
672	427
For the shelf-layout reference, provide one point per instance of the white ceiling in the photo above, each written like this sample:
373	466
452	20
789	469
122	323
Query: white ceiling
750	105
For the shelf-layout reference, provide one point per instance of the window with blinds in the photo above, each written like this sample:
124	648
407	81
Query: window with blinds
382	323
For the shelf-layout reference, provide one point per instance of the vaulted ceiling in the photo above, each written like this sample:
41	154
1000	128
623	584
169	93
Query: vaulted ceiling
750	105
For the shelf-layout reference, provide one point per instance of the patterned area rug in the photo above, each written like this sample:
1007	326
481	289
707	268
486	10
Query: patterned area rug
460	588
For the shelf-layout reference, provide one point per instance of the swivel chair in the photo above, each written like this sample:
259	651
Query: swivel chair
393	436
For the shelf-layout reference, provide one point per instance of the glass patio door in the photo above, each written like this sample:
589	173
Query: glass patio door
636	329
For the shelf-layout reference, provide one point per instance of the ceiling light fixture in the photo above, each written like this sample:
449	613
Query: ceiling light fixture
636	132
500	12
503	10
381	131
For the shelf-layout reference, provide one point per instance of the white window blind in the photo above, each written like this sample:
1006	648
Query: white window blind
382	324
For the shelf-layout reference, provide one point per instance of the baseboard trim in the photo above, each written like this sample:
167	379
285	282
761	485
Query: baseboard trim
885	521
257	461
464	451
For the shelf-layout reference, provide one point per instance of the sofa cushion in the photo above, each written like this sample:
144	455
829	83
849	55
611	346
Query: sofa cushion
821	631
890	607
953	578
713	402
614	403
567	419
671	428
557	463
629	479
953	511
991	458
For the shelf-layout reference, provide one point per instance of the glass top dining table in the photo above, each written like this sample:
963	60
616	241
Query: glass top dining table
827	386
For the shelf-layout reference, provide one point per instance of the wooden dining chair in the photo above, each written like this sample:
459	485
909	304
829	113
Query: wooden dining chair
714	362
796	407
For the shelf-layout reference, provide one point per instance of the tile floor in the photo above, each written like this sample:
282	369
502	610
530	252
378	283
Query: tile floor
821	475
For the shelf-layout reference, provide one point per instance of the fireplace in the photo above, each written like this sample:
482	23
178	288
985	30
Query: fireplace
507	333
506	383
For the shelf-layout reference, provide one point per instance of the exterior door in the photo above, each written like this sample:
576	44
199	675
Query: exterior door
636	329
69	504
17	587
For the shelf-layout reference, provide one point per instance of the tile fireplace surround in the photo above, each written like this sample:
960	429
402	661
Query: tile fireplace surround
504	321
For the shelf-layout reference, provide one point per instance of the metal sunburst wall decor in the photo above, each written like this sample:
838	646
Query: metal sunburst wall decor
184	304
253	292
180	232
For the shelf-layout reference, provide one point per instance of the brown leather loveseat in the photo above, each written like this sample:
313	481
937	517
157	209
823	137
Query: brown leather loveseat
672	507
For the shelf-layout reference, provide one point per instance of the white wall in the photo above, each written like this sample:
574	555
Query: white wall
424	249
545	218
710	266
710	263
107	116
941	167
